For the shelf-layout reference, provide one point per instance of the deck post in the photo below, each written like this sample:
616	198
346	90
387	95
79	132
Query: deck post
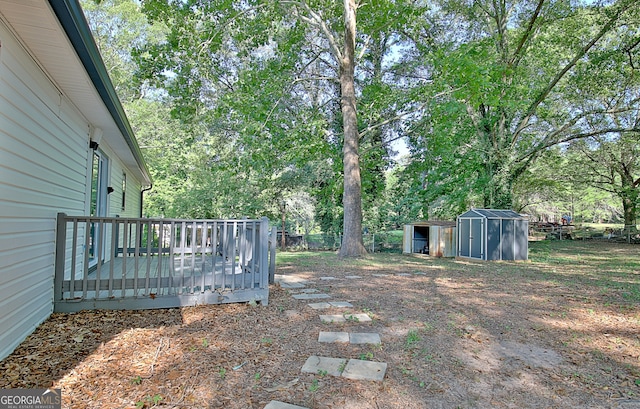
264	252
272	255
61	241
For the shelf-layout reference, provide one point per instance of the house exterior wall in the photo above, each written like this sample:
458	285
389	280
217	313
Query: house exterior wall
45	168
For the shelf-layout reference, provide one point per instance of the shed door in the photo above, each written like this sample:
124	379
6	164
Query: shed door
464	241
475	239
494	243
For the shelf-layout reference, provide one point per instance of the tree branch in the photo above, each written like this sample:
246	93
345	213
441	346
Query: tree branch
316	20
584	50
402	115
517	56
574	137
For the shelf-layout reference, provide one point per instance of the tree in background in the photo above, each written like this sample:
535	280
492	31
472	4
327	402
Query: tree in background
282	79
515	71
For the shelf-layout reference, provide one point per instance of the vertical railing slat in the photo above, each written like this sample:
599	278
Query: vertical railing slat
149	258
224	247
136	256
61	247
160	259
115	230
272	255
240	240
74	258
100	244
194	247
172	266
254	252
183	234
214	253
125	245
264	254
203	245
85	268
233	255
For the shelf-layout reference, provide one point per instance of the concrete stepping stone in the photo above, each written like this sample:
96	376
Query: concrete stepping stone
319	305
364	370
364	338
317	364
331	337
345	318
352	338
352	369
335	304
352	277
380	275
305	291
341	304
404	274
290	279
328	278
285	284
274	404
313	296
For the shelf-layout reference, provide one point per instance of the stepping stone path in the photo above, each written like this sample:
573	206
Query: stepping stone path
274	404
345	318
313	296
351	369
355	369
351	338
329	304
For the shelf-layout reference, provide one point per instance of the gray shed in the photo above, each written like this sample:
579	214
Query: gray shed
488	234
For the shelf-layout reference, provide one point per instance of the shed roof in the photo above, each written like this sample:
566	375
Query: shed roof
493	214
440	223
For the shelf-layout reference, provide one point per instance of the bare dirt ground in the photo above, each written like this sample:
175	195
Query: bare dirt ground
561	331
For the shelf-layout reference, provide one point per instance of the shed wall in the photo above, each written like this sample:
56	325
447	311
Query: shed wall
492	238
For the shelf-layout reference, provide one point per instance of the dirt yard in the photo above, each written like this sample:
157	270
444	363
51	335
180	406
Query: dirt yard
561	331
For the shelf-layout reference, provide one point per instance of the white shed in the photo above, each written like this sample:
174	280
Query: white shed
435	238
62	131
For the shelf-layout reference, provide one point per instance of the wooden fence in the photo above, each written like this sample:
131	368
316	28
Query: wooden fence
139	263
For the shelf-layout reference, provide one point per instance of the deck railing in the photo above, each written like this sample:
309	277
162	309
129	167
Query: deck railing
140	263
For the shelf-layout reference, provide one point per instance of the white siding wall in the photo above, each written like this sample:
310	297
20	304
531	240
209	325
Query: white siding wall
132	197
44	169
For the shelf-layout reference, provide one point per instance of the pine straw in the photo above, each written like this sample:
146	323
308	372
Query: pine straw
459	334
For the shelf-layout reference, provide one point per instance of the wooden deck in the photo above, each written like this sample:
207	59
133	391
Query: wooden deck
185	275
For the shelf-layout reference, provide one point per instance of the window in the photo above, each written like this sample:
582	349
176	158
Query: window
124	189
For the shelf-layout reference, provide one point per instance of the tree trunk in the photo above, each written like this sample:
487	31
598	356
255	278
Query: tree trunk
352	244
629	196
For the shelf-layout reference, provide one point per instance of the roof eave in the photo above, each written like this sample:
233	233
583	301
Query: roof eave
71	17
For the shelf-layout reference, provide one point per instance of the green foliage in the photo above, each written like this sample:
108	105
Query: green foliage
513	84
236	106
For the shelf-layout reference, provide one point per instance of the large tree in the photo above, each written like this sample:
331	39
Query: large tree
218	53
509	66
